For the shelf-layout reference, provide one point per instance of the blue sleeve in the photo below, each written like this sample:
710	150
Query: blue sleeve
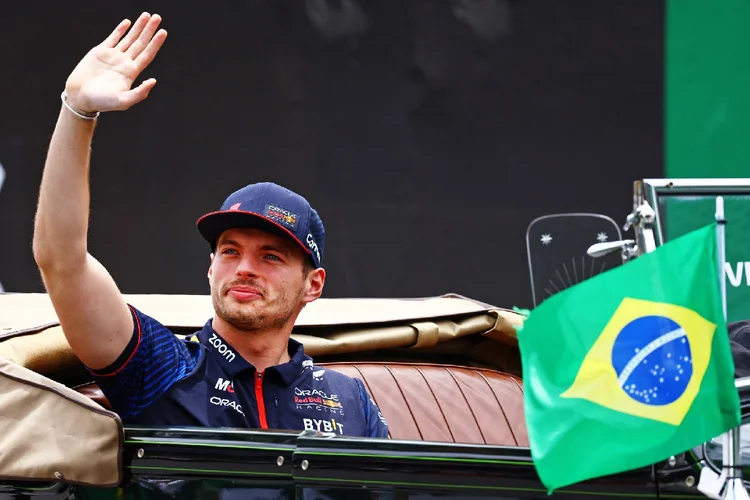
153	361
377	426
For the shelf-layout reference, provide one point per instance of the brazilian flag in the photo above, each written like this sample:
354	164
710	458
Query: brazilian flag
630	366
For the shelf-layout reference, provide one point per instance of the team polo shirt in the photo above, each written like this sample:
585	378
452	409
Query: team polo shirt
161	379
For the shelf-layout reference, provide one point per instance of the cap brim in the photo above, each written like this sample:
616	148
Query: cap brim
213	224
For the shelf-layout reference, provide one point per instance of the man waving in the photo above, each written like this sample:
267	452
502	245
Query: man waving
242	369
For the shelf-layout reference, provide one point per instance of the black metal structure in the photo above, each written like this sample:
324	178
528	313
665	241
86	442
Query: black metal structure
232	463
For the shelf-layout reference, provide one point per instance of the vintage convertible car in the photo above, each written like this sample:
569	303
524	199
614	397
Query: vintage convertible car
444	370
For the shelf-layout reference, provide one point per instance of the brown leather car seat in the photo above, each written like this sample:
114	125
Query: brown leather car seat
432	402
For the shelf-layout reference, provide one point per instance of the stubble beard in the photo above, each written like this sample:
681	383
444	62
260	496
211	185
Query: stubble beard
247	318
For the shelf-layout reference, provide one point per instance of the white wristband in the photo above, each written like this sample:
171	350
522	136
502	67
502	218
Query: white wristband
82	116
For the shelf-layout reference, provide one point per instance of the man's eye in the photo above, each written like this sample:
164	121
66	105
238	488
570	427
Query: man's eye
229	251
273	257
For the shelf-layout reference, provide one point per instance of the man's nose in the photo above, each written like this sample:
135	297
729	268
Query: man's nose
248	266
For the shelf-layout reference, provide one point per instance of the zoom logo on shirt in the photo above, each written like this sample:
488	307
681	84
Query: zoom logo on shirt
221	347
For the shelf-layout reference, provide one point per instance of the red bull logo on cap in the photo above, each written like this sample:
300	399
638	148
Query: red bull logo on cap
285	217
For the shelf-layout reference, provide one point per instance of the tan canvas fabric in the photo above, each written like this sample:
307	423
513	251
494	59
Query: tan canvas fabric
29	311
47	428
44	352
327	327
413	334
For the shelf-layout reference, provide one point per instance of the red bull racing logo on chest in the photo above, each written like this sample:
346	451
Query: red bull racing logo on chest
314	399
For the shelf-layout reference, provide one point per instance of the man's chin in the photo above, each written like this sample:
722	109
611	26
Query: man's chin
241	308
242	318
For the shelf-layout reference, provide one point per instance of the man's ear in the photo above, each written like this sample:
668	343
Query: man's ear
315	282
211	265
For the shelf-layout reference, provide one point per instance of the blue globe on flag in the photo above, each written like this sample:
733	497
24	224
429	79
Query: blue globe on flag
652	359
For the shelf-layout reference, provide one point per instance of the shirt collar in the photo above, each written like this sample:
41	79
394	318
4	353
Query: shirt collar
232	363
298	360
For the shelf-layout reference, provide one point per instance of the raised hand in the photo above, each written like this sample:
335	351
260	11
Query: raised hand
103	79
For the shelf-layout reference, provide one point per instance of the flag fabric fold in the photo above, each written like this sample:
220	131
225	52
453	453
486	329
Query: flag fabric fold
629	367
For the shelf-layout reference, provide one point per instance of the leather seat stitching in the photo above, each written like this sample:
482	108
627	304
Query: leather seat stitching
468	405
437	403
416	423
364	381
369	391
505	416
515	380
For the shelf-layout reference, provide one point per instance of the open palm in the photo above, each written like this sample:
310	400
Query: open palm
104	78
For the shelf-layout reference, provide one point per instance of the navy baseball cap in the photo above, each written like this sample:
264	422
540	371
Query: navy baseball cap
272	208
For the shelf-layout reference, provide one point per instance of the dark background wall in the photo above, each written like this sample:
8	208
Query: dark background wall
428	133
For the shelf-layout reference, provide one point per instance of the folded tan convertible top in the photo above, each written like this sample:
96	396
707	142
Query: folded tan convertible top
31	336
29	311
